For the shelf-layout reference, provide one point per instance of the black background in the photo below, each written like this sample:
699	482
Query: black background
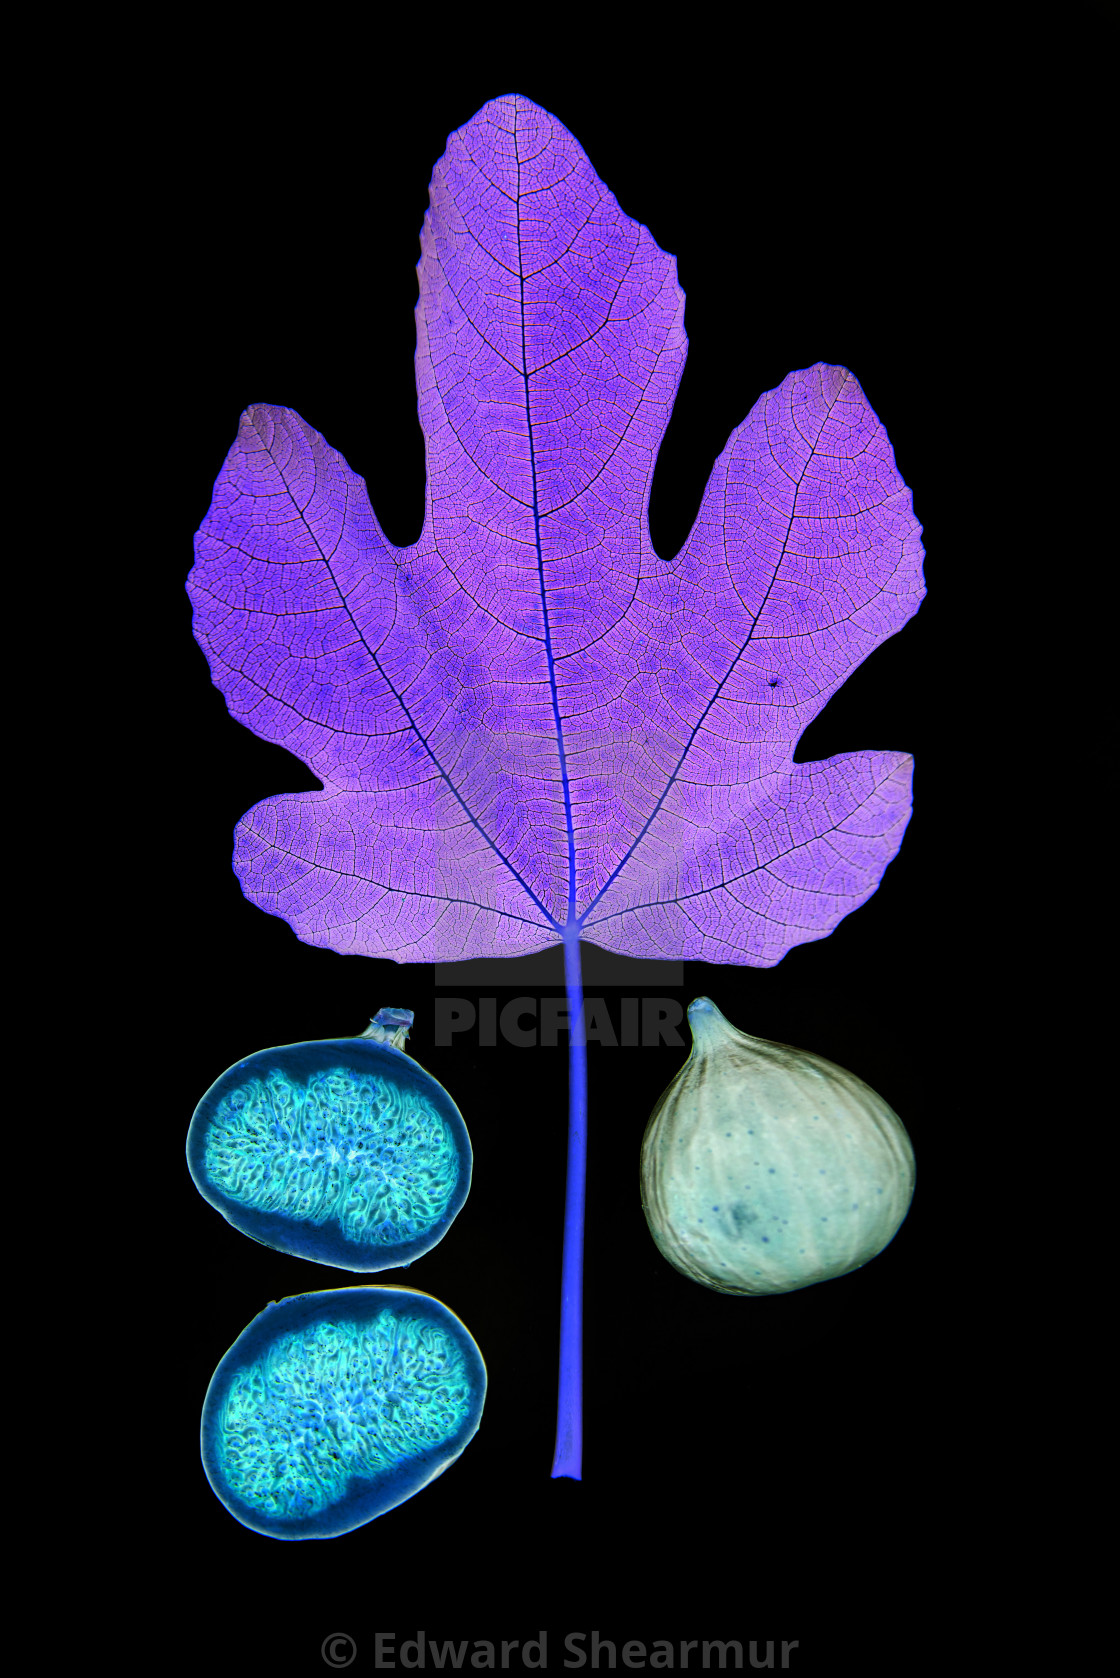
808	1467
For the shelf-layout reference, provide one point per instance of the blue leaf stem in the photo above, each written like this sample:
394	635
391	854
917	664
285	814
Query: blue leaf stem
568	1457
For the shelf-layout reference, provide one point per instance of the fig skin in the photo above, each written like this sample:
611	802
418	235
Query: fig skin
767	1168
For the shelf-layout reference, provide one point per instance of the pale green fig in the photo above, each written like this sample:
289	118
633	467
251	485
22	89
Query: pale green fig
766	1168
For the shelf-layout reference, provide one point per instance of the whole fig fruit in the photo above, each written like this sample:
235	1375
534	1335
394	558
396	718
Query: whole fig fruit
766	1168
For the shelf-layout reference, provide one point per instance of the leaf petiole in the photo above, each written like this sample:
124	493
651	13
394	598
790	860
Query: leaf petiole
568	1457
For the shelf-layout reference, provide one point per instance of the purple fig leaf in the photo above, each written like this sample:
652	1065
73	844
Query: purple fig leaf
528	717
528	726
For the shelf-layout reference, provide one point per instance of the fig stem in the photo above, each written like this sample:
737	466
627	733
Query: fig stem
704	1022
